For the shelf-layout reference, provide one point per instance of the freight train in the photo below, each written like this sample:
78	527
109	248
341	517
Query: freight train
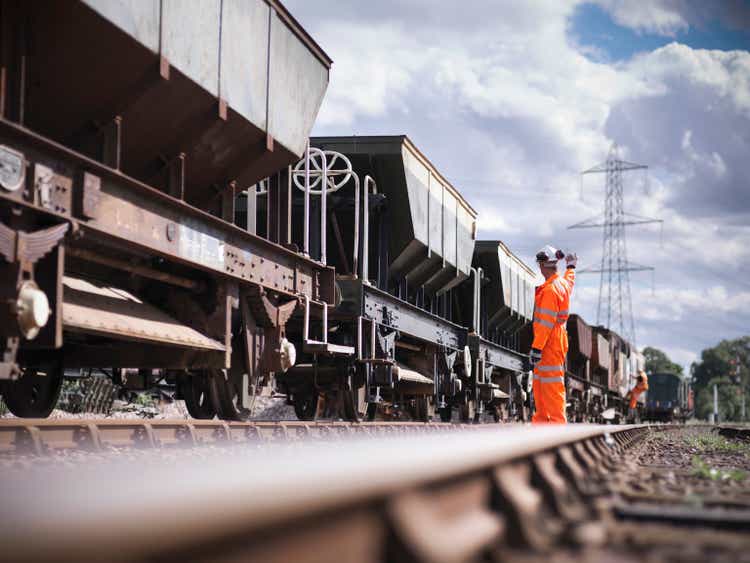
164	214
669	398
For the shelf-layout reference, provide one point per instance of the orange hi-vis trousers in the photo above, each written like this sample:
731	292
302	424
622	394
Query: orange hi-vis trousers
636	392
551	304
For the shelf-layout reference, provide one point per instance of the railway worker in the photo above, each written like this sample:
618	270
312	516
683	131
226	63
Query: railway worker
550	345
641	385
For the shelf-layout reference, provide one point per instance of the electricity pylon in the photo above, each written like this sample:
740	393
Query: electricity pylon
615	309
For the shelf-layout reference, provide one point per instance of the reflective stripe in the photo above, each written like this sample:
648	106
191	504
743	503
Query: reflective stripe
543	322
556	379
545	311
550	368
561	313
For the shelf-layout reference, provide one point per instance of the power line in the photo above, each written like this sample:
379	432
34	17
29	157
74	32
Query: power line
615	307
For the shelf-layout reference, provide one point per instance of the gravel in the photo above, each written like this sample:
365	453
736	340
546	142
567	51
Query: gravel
266	408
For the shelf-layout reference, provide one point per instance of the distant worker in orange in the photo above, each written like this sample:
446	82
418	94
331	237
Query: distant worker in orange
641	385
550	346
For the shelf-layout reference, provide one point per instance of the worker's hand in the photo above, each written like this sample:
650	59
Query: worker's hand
571	260
534	357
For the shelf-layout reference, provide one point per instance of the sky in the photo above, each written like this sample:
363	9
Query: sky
512	99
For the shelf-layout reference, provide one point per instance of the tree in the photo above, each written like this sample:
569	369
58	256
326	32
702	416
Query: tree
729	358
658	362
729	400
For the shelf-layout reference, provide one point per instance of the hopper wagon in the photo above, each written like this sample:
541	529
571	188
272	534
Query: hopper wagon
402	240
124	143
503	314
581	405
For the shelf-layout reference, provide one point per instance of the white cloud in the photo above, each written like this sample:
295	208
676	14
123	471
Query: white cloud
678	304
365	82
672	17
511	109
662	17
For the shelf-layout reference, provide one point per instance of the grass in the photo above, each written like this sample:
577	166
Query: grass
704	470
717	444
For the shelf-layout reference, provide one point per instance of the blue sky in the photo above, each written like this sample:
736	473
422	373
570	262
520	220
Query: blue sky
511	100
592	25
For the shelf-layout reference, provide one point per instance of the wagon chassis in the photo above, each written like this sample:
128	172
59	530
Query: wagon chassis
459	369
241	283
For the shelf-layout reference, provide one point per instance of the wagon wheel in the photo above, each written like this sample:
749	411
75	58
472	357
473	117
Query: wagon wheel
35	394
306	404
356	407
468	411
354	389
446	413
500	413
422	408
225	391
195	388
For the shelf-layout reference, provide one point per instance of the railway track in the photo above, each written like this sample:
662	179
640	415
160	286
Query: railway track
446	496
45	436
429	493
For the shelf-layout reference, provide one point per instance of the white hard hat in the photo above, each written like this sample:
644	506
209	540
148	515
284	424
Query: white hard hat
549	255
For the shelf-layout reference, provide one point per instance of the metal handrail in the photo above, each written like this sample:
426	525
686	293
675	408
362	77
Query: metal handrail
306	323
306	226
477	301
323	209
369	183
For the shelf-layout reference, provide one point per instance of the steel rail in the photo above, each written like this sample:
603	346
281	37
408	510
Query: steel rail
446	497
45	436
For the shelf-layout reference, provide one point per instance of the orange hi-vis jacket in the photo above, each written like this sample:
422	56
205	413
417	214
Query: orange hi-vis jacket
637	391
551	305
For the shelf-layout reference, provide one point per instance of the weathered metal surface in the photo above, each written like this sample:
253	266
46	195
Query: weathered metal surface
135	214
600	354
44	436
297	83
580	338
402	373
134	269
432	225
109	311
438	503
387	310
236	105
244	52
248	49
508	296
495	355
190	36
137	18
